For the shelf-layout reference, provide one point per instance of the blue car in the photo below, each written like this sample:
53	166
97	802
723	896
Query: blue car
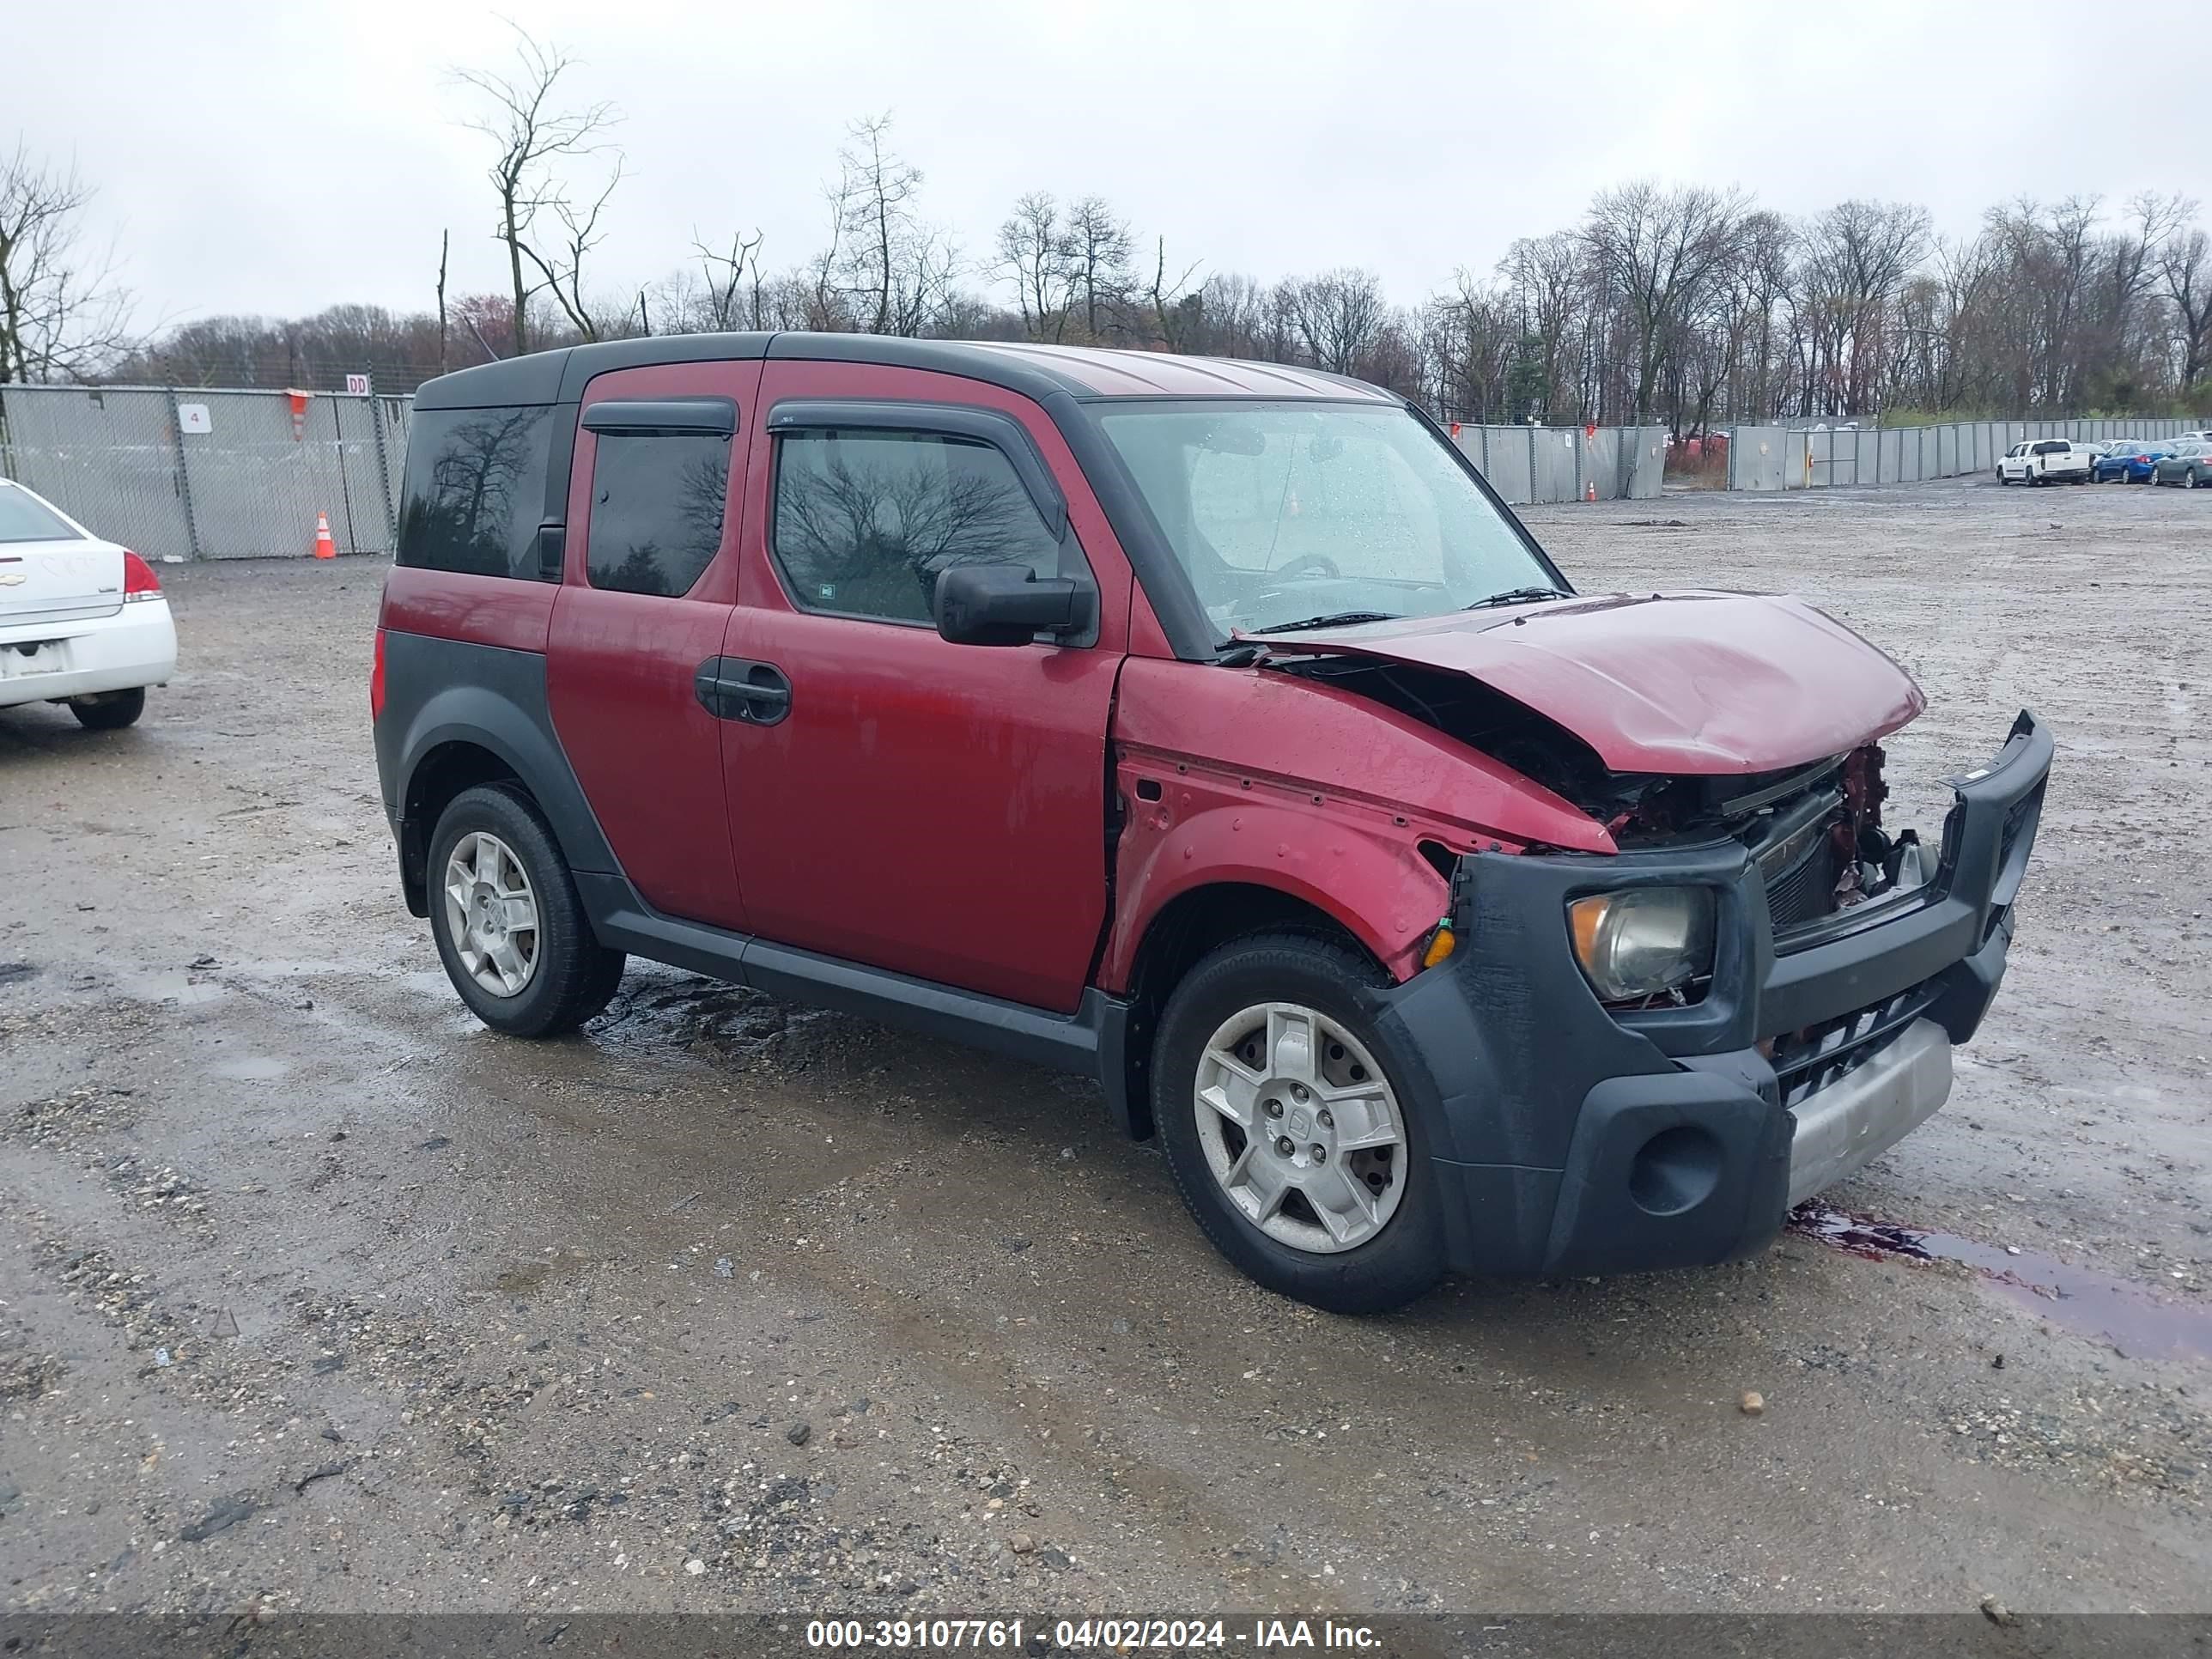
2129	462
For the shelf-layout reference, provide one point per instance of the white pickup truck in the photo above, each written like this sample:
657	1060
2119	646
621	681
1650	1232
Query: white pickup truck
2046	460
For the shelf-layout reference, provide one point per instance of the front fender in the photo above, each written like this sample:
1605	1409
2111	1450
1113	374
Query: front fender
1376	885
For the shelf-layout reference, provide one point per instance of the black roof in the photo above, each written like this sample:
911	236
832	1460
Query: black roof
560	375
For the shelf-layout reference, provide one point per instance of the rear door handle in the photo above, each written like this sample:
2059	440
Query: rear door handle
739	689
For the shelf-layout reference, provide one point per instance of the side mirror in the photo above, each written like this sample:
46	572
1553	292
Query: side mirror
1007	604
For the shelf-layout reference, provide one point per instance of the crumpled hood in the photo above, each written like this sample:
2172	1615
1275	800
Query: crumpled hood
1691	682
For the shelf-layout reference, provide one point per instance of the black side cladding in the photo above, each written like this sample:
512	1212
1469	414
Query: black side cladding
443	696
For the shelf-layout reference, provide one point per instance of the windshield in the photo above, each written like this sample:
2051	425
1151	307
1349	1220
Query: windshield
1288	513
26	519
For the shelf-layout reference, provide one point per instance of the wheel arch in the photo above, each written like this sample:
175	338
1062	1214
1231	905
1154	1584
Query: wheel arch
1179	934
447	769
465	735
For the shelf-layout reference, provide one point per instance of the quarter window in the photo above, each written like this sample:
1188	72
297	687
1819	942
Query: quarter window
866	521
657	505
475	489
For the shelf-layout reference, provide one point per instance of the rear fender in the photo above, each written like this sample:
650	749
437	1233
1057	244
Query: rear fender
491	698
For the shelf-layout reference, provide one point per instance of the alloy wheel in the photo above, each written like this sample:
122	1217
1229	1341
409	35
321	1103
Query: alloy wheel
1300	1127
491	913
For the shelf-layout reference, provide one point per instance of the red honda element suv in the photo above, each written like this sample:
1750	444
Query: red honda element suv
1209	729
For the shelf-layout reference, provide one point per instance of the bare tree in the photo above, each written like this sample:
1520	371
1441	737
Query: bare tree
1858	258
61	314
564	270
727	277
1656	251
1035	253
2184	263
533	137
1098	248
445	247
1176	312
1338	316
890	259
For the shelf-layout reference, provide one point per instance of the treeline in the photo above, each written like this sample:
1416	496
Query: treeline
1689	306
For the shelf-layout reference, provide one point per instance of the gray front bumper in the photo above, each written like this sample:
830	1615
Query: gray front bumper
1855	1120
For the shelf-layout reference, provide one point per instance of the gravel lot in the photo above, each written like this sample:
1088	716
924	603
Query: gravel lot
311	1289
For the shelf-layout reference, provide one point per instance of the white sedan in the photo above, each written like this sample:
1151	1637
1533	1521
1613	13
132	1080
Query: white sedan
82	620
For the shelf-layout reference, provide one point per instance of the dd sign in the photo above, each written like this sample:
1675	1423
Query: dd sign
357	386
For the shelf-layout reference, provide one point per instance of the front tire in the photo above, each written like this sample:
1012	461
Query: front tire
510	928
112	712
1288	1126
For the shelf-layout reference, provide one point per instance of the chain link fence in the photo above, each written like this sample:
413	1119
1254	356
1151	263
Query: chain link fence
212	474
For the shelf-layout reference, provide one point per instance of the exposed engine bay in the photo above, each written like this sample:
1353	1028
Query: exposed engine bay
1815	830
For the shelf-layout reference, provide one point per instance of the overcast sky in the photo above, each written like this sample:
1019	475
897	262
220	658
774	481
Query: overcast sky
280	157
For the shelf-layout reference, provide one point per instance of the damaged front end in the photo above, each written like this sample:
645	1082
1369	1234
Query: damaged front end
1583	1136
1814	831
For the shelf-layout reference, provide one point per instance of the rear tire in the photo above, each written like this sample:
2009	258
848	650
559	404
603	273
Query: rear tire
112	712
1352	1229
510	928
2189	479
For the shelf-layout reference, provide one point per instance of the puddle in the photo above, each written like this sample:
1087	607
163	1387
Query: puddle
251	1068
2129	1316
179	987
531	1277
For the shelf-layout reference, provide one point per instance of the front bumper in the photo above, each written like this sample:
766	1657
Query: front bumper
1566	1138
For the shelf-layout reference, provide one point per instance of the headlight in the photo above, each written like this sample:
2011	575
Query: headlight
1642	941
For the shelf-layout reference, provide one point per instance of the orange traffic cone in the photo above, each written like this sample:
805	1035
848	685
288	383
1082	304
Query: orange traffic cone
324	547
1590	494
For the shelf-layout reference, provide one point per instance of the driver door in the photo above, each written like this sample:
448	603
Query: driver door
896	799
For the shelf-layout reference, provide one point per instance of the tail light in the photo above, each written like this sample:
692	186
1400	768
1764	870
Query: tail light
139	581
376	680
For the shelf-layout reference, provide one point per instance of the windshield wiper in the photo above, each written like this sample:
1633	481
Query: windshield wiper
1333	619
1519	596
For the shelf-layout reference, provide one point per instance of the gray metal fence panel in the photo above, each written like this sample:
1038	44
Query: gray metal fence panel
1551	463
1500	454
106	457
1514	450
1556	464
1647	464
1755	458
229	478
1602	465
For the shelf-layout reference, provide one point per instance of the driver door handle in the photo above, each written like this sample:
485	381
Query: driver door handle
739	688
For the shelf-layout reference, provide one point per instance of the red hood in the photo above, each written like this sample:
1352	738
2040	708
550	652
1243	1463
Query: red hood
1693	681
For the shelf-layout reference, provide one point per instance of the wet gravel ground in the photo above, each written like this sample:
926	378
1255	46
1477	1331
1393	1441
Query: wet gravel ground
313	1293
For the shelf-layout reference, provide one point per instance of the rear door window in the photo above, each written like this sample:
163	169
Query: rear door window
657	506
475	490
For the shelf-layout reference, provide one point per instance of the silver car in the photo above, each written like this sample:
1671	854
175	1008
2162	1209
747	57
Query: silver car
2189	465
